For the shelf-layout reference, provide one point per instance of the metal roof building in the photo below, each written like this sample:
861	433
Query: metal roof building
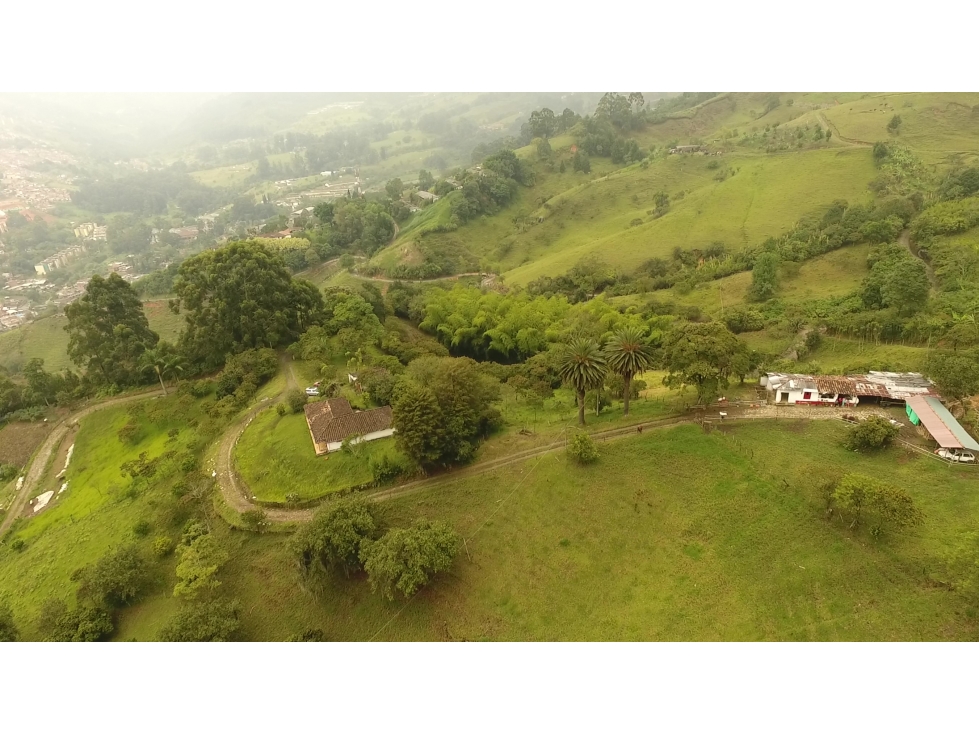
941	424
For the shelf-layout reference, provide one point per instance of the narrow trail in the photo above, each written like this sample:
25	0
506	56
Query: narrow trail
905	239
39	463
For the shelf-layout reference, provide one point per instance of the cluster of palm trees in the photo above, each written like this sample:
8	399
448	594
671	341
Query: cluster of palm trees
584	364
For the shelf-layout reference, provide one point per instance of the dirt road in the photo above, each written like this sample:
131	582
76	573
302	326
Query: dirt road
237	495
35	472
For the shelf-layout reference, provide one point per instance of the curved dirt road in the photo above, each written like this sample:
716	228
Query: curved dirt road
39	463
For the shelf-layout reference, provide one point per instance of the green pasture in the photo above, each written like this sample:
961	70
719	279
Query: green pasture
672	535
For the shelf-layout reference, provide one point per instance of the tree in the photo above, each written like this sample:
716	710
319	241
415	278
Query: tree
8	630
82	624
542	123
240	297
418	424
442	408
543	148
580	162
582	449
702	355
894	125
628	355
408	559
394	188
208	621
199	563
955	374
871	434
108	331
905	284
764	276
857	497
582	367
425	180
333	539
116	579
161	360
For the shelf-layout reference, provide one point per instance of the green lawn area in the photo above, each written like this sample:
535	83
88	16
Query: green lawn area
225	176
275	457
672	535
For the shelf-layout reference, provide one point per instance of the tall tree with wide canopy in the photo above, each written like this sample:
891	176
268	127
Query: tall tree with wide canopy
582	367
108	331
702	355
627	354
240	297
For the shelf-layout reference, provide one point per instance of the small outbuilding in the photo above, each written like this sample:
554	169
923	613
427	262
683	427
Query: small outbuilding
948	433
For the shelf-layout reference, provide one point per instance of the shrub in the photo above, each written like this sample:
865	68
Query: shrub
872	434
84	624
162	546
281	409
129	433
17	544
582	449
255	520
198	565
857	497
141	529
201	388
309	635
210	621
8	630
7	472
407	559
296	400
385	469
117	578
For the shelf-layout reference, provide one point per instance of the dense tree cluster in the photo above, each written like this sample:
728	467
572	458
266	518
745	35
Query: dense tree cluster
442	408
240	297
147	193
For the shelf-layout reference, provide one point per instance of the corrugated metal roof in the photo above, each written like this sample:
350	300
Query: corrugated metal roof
941	424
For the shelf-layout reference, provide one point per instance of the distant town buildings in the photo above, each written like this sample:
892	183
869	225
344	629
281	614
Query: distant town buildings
59	260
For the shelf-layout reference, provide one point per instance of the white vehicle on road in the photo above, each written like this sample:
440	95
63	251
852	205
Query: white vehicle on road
964	457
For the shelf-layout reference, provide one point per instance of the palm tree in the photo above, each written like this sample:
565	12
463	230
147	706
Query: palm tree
628	355
582	367
162	362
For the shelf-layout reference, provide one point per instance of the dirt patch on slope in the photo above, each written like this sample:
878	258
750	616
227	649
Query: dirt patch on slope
19	441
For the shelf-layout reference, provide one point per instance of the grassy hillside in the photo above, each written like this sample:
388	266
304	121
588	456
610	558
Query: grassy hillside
46	338
739	198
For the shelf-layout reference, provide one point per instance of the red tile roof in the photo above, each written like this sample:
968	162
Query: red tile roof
334	420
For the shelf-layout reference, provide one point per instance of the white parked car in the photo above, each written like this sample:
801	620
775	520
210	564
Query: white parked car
964	457
312	391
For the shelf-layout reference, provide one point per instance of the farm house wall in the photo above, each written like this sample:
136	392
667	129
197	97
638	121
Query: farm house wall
337	445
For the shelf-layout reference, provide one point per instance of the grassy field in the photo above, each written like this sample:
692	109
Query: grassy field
935	125
46	338
608	215
225	176
673	535
275	457
101	506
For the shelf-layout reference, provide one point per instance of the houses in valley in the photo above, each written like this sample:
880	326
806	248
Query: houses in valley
333	420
